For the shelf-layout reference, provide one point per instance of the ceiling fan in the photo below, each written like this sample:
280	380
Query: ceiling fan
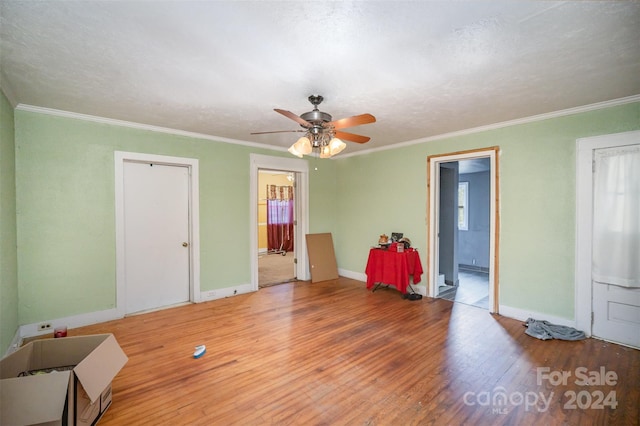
322	132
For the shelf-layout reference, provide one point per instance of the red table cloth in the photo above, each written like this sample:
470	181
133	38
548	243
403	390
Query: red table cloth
391	267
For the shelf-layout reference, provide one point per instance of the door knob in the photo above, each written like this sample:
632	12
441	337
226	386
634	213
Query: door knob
185	244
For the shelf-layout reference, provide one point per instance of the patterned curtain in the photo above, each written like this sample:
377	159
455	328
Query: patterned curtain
280	218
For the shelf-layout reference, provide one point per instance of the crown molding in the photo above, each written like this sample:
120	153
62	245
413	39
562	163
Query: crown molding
122	123
534	118
140	126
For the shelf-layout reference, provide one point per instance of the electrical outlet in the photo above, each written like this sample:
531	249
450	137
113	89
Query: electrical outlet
211	294
44	326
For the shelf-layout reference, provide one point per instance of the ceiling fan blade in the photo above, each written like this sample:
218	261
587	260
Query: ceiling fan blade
294	117
352	137
277	131
356	120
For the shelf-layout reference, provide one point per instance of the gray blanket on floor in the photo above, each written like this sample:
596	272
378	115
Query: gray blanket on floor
544	330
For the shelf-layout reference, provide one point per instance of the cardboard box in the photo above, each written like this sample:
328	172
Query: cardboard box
77	395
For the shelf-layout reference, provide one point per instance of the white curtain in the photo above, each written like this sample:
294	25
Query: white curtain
616	216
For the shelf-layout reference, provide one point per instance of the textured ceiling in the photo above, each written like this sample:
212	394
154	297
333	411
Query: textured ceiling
219	68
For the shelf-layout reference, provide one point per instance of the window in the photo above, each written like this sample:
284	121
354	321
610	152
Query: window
463	206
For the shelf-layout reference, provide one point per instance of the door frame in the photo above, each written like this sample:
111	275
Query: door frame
433	210
584	220
120	158
301	198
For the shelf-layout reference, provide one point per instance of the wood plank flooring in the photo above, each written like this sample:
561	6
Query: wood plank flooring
333	353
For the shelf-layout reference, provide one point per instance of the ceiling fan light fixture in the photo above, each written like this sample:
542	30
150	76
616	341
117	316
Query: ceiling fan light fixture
321	129
303	146
325	152
292	150
336	146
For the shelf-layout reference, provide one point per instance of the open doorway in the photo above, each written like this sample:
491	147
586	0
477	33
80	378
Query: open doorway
300	170
463	223
464	231
276	227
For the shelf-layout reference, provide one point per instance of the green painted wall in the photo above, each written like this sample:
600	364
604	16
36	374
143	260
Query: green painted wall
64	205
8	251
66	211
323	189
386	191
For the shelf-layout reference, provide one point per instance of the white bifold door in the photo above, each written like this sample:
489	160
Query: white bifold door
156	235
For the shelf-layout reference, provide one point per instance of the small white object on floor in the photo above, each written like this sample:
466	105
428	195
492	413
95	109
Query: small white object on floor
200	350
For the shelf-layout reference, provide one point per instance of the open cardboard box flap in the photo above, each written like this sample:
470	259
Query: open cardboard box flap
40	398
33	399
99	367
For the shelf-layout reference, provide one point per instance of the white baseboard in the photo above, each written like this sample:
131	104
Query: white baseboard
359	276
420	289
221	293
75	321
523	315
31	330
15	343
505	311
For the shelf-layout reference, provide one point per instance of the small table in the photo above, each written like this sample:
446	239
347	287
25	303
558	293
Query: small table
393	268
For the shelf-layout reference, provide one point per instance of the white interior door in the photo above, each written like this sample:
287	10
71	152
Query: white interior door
616	314
616	218
156	235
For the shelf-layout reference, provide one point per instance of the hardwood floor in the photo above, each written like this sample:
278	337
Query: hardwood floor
333	353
